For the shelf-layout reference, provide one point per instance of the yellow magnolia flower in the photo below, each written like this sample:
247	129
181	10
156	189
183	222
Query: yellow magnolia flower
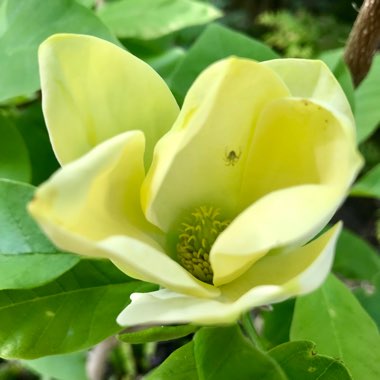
238	182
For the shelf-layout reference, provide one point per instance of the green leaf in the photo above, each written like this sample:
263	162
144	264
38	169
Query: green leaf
333	319
24	25
299	360
180	365
147	19
367	99
86	3
27	258
71	313
14	159
277	322
220	353
355	258
166	62
156	333
215	43
60	367
368	295
223	352
369	184
30	123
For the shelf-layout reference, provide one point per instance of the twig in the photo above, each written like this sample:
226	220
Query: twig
363	41
96	364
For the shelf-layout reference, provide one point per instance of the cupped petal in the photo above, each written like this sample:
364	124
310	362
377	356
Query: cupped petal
202	158
284	218
298	270
312	79
93	90
92	207
298	141
294	273
302	161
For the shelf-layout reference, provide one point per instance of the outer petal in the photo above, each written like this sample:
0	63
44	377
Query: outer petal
294	273
298	141
92	207
93	90
310	153
191	166
312	79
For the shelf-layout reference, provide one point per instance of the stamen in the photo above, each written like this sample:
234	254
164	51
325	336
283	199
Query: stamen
196	236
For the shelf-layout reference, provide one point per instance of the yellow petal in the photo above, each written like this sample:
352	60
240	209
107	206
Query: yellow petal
312	79
93	90
298	145
308	267
300	270
288	217
298	141
92	207
201	160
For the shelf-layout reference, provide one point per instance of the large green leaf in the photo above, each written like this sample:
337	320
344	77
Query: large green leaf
24	25
14	159
300	360
277	323
27	258
223	353
368	295
147	19
355	258
215	43
367	99
60	367
74	312
156	333
369	184
333	319
30	123
219	353
180	365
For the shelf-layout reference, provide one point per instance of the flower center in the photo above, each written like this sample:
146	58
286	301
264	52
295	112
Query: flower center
197	234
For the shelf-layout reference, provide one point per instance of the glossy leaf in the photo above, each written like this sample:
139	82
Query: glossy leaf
369	184
300	360
333	319
180	365
23	246
222	353
355	258
368	295
215	43
30	123
60	367
277	322
367	99
24	25
74	312
14	159
146	19
156	333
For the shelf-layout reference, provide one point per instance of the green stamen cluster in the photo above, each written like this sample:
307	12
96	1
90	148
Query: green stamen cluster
196	236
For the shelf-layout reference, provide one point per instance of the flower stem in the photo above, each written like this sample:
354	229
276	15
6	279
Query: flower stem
249	328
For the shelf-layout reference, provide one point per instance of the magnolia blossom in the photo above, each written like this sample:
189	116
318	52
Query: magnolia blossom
218	202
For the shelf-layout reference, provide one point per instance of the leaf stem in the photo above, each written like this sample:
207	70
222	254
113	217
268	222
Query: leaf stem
249	328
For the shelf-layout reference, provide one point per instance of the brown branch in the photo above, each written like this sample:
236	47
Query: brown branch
363	41
96	363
